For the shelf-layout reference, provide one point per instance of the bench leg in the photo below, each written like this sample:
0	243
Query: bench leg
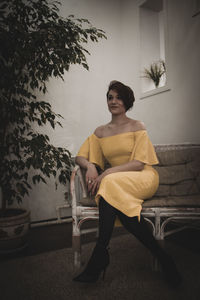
158	236
157	225
76	245
155	264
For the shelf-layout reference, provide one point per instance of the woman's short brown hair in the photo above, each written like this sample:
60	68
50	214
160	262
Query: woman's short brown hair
124	92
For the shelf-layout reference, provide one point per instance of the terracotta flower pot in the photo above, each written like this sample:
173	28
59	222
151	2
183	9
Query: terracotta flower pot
14	228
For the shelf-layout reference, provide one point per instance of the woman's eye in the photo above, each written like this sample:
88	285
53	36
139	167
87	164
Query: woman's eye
110	97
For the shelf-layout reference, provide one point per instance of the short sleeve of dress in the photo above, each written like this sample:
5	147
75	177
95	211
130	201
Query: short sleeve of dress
84	149
91	150
143	149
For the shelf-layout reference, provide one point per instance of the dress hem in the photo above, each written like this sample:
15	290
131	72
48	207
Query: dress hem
129	213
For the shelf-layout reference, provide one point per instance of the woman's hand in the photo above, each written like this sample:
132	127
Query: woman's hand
91	175
93	179
133	165
96	183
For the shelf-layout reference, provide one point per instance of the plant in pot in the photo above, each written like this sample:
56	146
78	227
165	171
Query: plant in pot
36	44
155	72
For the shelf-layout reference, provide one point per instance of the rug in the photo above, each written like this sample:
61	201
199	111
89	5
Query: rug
129	275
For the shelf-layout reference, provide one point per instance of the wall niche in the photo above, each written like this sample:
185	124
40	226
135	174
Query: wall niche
153	32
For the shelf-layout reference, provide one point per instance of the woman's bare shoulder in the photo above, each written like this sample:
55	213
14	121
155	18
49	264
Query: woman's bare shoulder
99	131
137	125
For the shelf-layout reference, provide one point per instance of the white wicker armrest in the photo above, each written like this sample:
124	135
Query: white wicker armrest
77	172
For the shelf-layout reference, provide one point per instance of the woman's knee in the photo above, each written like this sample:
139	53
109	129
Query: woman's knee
103	204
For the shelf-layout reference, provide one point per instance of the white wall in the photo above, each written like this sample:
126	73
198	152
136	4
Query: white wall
152	43
149	37
170	117
173	117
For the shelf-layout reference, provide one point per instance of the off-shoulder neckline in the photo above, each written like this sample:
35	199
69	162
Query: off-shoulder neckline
128	132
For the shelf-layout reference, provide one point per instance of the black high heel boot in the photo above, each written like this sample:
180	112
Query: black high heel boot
144	235
97	264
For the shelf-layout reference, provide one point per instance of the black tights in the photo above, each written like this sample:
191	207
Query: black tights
107	216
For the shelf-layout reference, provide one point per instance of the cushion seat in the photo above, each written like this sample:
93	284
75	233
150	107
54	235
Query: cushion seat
168	201
173	201
88	201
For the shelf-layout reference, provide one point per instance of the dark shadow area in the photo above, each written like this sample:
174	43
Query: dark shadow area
44	269
188	239
54	237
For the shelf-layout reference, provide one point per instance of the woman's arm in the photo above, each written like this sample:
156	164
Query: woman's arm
82	162
133	165
91	171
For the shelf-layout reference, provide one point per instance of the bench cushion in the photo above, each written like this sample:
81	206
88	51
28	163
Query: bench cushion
179	172
88	201
173	201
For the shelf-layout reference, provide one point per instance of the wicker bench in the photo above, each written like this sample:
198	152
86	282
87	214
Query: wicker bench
177	199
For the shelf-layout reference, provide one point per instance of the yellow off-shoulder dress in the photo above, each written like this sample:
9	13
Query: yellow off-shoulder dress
125	191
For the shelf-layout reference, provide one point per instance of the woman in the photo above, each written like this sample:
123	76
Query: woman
120	190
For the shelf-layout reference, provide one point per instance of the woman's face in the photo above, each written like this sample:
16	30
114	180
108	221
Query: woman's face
115	104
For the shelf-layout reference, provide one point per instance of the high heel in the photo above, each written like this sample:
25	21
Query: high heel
96	265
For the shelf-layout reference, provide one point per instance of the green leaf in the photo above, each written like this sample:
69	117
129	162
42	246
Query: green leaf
36	45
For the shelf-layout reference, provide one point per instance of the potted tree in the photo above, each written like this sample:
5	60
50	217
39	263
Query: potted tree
36	44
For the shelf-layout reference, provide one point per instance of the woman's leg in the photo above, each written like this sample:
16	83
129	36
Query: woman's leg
99	259
142	232
107	216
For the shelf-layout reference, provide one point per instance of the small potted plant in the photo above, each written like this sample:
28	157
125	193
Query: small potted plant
155	72
36	44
